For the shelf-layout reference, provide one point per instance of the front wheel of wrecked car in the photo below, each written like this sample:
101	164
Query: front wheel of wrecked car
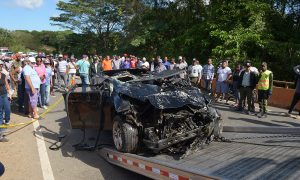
218	129
125	136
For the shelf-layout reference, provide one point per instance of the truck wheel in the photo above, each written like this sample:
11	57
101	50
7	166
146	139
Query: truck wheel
125	136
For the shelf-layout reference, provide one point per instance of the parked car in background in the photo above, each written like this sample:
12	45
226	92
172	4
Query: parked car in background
3	50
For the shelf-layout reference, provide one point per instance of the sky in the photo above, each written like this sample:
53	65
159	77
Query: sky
28	14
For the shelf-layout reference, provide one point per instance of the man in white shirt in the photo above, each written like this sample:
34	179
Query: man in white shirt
195	72
223	75
63	70
182	65
145	64
116	63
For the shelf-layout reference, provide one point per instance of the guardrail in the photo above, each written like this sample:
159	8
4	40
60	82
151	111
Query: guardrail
283	94
284	84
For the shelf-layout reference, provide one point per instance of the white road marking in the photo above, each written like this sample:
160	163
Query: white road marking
44	159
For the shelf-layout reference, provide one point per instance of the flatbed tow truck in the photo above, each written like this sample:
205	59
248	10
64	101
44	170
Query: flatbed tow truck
262	152
247	156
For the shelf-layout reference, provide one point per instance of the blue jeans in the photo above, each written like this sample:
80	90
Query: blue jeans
4	108
85	81
47	95
207	84
21	94
42	95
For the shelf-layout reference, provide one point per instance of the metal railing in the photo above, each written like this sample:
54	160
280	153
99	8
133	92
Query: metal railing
285	84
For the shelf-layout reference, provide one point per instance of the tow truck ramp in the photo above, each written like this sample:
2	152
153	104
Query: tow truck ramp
248	156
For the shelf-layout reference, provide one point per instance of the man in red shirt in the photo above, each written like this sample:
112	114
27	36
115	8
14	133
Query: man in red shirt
133	62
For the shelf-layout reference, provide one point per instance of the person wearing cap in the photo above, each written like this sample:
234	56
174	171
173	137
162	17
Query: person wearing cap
14	72
246	83
296	97
63	70
83	69
195	71
32	85
265	86
161	67
4	101
224	73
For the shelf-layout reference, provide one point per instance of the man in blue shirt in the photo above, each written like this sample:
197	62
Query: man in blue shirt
32	85
208	74
167	63
83	67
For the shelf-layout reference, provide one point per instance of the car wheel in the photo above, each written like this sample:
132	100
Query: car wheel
218	129
125	136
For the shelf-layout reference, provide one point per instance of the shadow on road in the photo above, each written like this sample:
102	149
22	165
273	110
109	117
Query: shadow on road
90	158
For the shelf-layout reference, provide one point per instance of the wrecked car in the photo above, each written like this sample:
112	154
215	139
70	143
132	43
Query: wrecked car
159	112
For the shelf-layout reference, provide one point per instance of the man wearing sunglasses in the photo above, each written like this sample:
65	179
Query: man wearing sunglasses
265	85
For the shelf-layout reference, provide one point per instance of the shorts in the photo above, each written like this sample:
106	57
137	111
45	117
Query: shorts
222	87
33	98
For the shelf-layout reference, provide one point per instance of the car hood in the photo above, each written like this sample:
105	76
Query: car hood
160	98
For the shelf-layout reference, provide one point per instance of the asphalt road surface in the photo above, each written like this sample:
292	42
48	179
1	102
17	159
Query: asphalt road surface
27	154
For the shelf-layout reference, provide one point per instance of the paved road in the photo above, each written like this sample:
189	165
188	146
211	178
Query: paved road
24	158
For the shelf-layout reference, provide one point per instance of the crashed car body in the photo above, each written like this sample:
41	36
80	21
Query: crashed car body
155	111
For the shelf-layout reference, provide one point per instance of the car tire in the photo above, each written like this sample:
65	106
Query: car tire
125	136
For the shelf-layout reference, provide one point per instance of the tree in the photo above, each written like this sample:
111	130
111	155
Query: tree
101	17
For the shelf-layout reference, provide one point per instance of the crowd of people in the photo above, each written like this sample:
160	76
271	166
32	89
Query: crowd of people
31	80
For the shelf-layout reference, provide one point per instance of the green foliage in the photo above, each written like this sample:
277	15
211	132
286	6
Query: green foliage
256	30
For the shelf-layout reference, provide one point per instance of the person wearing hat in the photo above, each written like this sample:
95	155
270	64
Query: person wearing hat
296	97
246	83
265	86
4	102
32	85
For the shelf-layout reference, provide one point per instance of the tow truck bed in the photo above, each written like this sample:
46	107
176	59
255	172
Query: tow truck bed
257	156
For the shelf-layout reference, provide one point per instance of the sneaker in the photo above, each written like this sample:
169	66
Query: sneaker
44	107
6	123
3	139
